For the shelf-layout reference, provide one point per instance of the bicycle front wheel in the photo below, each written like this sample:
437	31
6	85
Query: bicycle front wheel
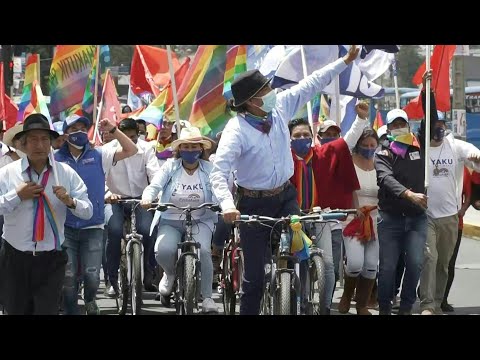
228	294
136	284
188	284
316	295
283	298
123	278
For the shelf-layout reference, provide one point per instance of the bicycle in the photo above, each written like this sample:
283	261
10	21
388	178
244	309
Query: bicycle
187	264
282	271
316	264
131	264
232	273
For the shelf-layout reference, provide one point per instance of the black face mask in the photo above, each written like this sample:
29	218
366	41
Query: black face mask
438	133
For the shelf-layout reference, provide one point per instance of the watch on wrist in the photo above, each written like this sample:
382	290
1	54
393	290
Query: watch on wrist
113	130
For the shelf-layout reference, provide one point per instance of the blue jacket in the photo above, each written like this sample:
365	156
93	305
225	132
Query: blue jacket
89	167
162	187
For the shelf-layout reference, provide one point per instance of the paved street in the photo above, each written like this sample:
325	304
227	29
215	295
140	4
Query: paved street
464	296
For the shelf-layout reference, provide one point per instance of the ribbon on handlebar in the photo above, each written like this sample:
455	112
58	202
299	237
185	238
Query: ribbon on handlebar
300	241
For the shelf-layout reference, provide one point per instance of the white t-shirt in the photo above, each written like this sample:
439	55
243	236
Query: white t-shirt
442	199
368	193
188	190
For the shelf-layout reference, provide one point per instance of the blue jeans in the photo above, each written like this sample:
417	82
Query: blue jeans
222	233
323	236
170	234
104	252
84	248
115	234
337	243
255	241
397	234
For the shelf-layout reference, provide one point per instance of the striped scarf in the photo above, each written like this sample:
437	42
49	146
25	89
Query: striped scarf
399	144
306	190
42	207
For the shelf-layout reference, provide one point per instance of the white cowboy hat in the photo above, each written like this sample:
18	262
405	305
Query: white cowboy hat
191	135
10	134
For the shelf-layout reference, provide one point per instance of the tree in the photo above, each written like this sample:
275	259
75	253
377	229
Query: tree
409	58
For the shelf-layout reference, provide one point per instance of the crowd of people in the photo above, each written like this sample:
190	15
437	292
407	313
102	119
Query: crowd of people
62	222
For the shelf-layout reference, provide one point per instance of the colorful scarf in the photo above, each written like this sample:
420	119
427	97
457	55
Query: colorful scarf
164	151
42	207
261	124
362	230
399	145
305	180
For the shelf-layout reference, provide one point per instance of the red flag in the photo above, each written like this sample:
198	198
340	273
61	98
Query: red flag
149	70
110	105
440	64
110	108
378	123
11	112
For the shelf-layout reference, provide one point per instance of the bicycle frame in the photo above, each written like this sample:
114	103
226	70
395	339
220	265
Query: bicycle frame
133	237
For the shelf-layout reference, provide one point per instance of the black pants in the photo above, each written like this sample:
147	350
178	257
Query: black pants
31	285
451	266
255	243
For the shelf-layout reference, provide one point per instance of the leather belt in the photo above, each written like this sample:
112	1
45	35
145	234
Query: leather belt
263	193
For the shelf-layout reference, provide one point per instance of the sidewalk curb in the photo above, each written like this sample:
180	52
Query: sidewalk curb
471	231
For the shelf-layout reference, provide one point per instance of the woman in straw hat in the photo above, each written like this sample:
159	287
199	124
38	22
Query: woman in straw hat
184	180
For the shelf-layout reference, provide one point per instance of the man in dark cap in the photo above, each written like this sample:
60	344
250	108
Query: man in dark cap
34	197
256	143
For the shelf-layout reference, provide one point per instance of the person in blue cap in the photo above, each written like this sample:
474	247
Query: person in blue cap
83	238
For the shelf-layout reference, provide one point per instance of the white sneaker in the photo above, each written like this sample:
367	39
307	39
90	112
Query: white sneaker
209	306
166	284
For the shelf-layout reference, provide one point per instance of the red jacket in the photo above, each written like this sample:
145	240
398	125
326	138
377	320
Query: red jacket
335	175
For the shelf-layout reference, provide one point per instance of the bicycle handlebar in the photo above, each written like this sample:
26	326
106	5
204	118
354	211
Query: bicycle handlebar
128	200
165	206
314	217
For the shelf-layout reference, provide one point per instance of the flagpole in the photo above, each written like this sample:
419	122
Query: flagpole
97	120
337	101
395	81
427	118
305	74
95	92
174	89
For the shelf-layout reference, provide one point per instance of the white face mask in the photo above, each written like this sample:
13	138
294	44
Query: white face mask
141	137
399	132
269	101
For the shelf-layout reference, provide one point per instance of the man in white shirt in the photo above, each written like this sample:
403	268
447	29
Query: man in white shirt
448	156
37	194
128	178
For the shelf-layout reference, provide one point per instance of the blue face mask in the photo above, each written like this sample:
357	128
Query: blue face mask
438	133
190	157
269	101
301	146
78	138
366	153
324	141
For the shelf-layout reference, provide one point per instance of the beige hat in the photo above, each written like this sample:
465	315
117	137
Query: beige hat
10	134
191	135
327	124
